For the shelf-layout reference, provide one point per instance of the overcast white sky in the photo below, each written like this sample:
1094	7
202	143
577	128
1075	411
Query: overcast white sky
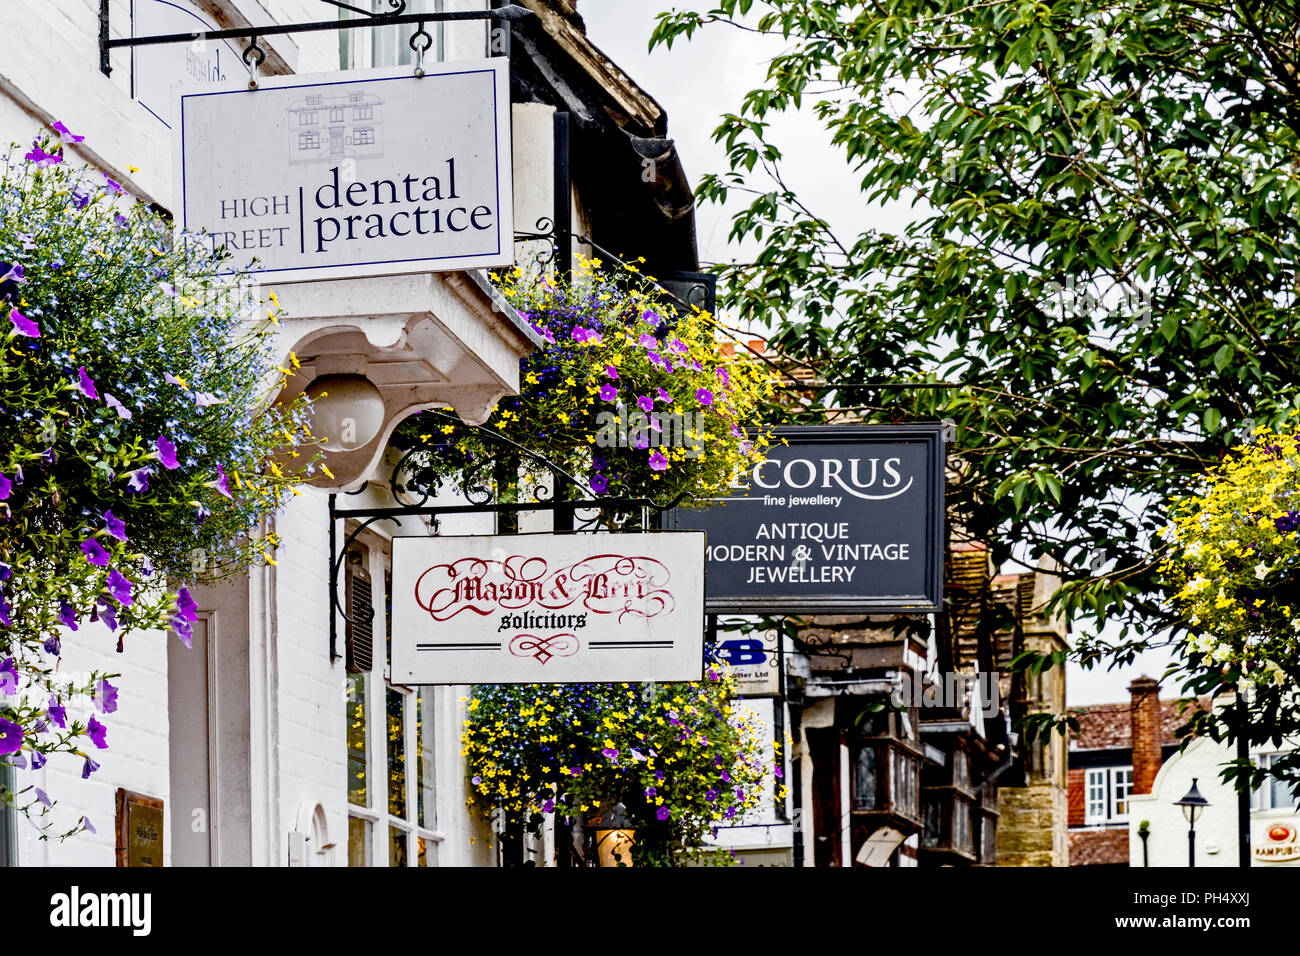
698	81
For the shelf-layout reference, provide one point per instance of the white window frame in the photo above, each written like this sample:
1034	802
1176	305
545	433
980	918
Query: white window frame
1261	798
1107	783
377	687
390	46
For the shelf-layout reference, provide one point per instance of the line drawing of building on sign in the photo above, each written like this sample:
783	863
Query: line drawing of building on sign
329	127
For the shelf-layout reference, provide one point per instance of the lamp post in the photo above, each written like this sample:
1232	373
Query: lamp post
1192	804
347	411
614	837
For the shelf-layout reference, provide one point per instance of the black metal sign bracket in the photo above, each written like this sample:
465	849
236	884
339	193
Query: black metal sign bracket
396	17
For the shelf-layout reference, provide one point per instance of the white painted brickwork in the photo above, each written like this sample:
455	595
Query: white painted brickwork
295	699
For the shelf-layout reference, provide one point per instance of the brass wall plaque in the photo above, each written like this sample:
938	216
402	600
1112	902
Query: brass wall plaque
139	829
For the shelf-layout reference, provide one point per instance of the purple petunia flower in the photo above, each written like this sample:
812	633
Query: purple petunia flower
167	453
58	713
139	480
548	806
11	736
39	157
87	769
4	611
778	772
205	399
650	317
12	275
65	135
6	486
80	200
115	405
186	607
1287	522
608	393
98	733
116	527
109	615
724	376
658	462
120	588
663	813
705	396
41	795
731	812
8	676
645	403
598	484
650	791
52	645
726	777
476	780
184	630
647	340
112	186
86	384
575	771
610	752
86	820
24	325
611	372
68	617
94	552
663	393
222	484
711	795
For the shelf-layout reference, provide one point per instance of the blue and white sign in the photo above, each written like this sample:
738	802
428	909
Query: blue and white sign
352	174
755	660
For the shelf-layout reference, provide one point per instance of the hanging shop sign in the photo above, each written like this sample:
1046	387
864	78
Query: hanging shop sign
357	173
839	519
755	661
546	608
155	70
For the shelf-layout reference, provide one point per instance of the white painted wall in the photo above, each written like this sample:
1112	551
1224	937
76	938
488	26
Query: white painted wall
1216	828
292	696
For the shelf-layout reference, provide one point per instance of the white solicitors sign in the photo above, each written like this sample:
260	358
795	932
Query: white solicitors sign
548	608
360	173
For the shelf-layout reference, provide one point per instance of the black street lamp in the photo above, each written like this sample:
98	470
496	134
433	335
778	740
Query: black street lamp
1193	803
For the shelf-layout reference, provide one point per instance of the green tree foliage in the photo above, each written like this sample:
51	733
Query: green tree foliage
1101	268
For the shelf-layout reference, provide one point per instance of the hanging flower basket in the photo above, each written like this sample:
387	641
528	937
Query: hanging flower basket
136	441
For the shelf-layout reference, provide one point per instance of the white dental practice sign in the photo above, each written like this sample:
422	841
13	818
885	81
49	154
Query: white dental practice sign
548	608
358	173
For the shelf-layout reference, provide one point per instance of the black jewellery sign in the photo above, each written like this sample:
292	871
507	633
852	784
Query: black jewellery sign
841	518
